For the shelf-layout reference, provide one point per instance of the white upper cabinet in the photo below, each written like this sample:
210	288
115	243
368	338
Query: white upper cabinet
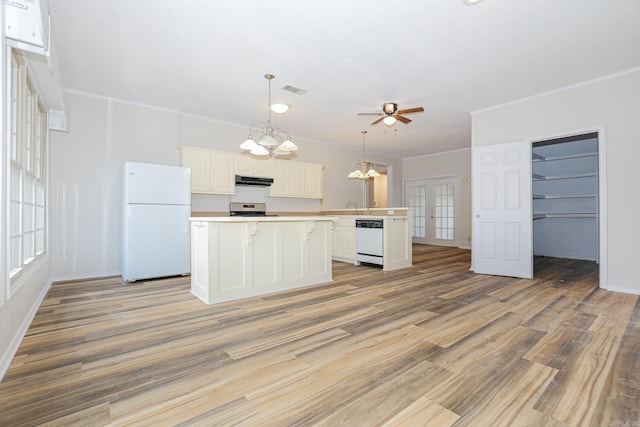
212	172
297	179
251	166
315	181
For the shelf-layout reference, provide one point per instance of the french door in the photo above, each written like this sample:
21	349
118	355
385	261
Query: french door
434	209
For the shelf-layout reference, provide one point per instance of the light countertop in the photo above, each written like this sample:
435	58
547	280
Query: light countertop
263	218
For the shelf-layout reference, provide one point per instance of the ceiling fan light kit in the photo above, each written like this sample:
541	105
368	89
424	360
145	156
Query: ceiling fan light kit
271	141
390	114
363	169
389	120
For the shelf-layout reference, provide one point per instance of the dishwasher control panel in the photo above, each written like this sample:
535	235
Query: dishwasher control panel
369	223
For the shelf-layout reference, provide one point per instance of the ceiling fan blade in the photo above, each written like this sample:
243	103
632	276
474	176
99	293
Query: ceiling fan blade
369	114
401	118
411	110
376	121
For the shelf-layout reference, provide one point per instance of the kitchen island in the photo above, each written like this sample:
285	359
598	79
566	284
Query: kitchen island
238	257
395	234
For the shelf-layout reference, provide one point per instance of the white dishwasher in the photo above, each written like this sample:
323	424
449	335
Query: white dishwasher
369	241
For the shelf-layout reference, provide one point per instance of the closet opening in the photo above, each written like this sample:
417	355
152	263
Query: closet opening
566	217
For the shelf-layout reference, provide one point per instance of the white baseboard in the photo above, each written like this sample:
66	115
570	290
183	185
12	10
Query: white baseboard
7	357
624	290
85	276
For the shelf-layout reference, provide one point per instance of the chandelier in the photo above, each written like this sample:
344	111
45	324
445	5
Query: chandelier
364	168
270	140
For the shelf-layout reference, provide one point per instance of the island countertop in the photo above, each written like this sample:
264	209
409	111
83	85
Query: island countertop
262	218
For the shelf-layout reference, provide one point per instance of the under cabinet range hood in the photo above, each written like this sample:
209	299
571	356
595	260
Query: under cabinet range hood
253	181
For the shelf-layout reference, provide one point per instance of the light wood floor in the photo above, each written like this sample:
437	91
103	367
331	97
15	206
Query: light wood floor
430	345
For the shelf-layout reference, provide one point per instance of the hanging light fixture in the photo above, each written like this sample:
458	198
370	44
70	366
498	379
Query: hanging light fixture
364	168
270	140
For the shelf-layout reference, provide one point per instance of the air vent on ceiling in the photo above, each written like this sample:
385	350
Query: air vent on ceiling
294	89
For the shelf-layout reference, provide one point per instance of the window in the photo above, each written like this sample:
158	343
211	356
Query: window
418	202
444	226
27	180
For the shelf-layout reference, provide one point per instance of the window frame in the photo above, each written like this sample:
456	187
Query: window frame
28	135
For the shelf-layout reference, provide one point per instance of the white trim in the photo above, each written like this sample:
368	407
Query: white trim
558	90
457	201
603	219
244	127
26	273
87	276
624	290
122	101
4	161
452	176
12	349
440	153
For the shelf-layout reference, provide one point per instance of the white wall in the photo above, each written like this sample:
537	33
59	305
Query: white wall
104	133
457	162
18	308
613	103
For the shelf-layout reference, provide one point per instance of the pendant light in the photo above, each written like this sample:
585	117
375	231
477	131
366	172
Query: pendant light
363	169
270	140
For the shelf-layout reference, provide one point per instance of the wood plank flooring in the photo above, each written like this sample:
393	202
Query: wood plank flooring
431	345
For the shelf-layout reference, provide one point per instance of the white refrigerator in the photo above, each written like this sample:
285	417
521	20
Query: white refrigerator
155	223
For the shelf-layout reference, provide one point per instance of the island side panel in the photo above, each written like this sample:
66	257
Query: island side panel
319	249
234	259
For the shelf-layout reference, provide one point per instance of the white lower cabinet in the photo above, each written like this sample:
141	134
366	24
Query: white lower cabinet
344	239
231	260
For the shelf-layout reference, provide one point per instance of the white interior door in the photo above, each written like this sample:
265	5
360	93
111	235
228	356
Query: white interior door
502	222
433	203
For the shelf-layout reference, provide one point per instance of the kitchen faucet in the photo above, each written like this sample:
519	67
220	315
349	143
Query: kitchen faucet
353	205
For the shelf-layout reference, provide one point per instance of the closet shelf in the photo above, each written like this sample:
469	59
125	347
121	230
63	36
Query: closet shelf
564	196
564	215
538	177
540	158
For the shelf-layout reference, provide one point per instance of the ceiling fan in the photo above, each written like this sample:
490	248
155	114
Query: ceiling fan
391	113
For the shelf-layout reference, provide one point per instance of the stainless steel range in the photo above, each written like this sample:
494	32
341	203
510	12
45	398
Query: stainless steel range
248	209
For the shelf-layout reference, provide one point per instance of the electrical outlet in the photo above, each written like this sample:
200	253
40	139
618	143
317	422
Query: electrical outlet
468	238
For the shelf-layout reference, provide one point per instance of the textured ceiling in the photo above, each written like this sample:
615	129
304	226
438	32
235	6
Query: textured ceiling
208	58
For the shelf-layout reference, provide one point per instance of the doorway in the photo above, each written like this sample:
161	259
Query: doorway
376	189
565	197
504	207
435	217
